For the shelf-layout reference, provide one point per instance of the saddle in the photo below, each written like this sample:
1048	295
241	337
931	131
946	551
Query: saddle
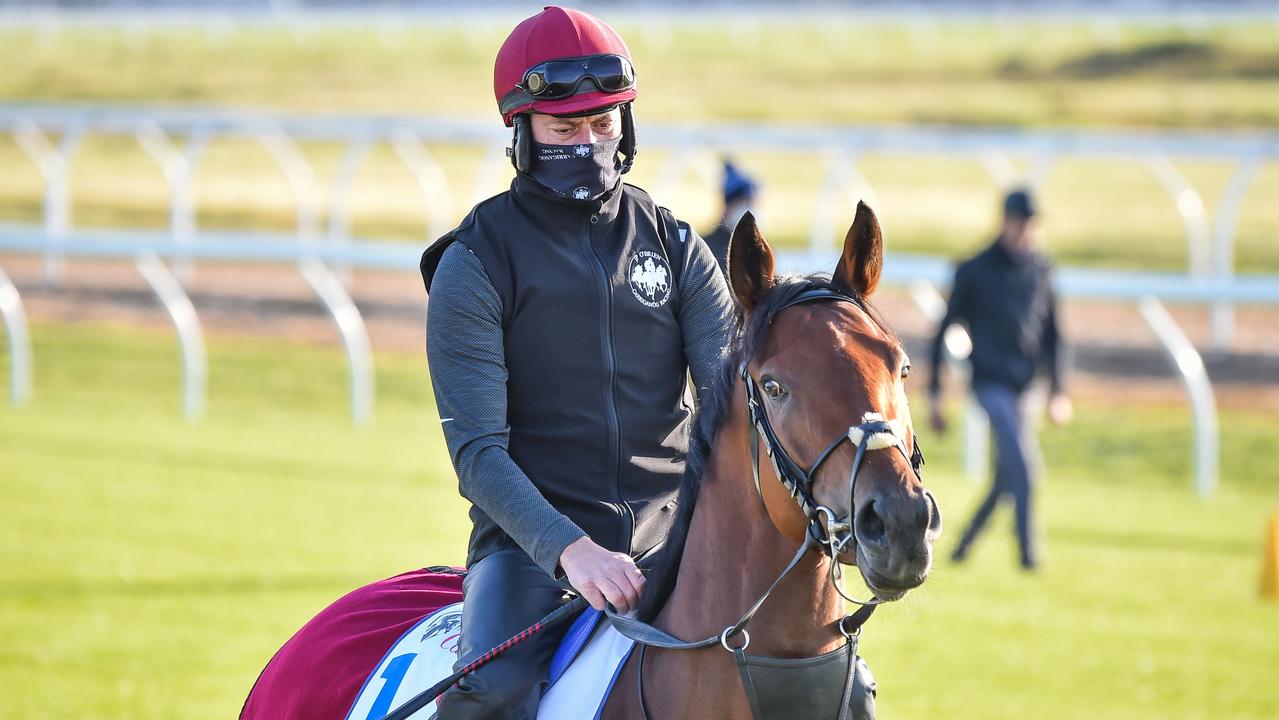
380	645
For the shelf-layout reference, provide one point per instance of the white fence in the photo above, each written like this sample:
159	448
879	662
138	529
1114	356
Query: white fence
175	139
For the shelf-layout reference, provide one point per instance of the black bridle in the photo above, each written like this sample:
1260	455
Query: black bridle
825	527
826	532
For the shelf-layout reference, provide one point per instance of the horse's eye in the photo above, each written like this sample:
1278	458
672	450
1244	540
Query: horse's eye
905	371
773	389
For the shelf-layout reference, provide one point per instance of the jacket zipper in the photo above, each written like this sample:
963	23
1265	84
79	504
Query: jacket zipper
610	367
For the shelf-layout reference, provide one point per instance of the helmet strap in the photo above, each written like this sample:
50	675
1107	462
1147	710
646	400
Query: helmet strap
521	150
628	146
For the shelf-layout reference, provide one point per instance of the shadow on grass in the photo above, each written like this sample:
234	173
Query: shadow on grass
1168	59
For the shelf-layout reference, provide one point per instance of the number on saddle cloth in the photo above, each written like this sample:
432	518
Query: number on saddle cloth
582	672
379	646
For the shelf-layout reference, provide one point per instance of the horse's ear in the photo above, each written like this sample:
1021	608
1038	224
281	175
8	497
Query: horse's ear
750	263
863	259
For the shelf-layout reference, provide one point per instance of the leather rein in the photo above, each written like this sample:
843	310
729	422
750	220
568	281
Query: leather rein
827	532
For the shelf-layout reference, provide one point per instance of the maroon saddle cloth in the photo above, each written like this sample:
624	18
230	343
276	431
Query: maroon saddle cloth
317	674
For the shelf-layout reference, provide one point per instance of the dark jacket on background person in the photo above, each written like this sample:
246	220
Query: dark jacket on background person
717	241
560	338
1007	302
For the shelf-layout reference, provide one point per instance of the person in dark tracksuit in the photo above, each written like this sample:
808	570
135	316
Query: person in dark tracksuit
740	193
1005	297
565	317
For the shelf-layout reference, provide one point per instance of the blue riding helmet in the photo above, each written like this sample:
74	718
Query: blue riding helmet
737	185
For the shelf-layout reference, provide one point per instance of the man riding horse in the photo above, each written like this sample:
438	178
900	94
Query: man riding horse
559	362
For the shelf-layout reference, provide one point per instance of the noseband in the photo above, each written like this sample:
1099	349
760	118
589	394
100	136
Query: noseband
827	532
825	527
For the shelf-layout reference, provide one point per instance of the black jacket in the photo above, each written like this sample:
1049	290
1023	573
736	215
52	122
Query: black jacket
597	396
1008	304
717	240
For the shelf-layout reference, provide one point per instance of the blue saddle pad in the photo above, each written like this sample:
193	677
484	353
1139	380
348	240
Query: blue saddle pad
574	640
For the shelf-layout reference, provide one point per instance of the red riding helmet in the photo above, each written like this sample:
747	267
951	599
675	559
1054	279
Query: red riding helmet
557	33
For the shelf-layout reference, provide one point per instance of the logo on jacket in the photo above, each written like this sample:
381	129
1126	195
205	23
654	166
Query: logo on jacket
650	278
582	150
581	193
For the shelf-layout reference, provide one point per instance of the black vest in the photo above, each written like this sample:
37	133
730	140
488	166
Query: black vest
597	390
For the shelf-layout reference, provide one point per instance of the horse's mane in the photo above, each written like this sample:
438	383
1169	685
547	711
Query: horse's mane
744	340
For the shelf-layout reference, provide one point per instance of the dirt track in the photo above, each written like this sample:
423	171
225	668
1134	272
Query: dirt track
1114	353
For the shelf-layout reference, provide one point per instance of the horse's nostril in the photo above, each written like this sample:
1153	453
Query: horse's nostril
934	514
869	526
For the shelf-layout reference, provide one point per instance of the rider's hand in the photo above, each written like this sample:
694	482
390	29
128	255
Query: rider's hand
1060	409
600	575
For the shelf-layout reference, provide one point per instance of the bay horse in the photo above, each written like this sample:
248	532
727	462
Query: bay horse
813	371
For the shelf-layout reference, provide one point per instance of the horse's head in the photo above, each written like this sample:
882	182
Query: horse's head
828	378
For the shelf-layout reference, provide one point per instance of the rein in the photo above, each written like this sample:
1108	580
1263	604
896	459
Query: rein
827	532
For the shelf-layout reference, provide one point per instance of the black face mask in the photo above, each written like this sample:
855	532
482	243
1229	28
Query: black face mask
577	172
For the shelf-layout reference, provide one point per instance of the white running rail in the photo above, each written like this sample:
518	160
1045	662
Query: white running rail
176	140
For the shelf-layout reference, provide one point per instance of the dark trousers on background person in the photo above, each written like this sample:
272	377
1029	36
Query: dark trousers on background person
1016	458
504	593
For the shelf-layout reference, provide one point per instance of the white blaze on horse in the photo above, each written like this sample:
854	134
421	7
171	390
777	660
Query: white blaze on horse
804	462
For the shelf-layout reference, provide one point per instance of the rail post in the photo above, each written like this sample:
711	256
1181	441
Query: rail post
15	326
326	284
178	167
842	179
1190	207
168	290
54	161
1203	408
430	178
301	178
958	346
355	337
1223	313
339	232
490	172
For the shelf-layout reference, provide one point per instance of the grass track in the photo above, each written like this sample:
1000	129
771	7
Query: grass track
149	568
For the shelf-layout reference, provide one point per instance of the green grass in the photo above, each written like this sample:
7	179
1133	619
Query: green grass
1108	213
150	565
149	568
1057	74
